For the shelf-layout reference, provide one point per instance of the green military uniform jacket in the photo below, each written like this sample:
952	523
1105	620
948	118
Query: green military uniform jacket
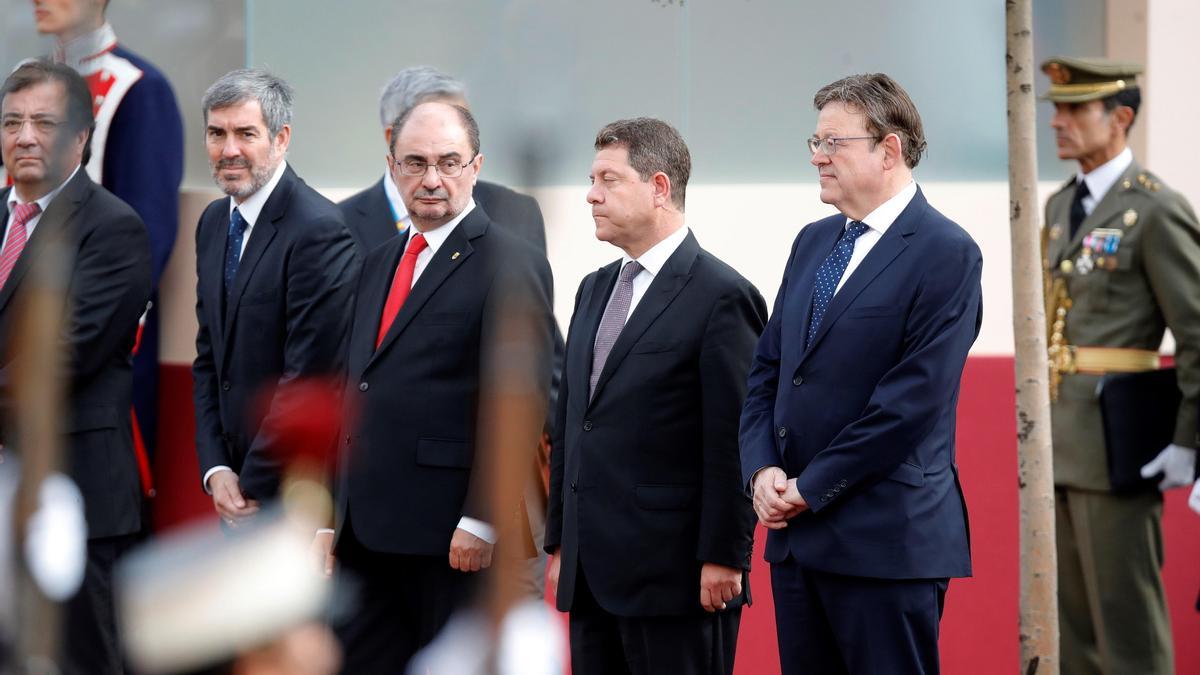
1125	299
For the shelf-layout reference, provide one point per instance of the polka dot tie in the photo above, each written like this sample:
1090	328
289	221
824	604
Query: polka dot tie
829	274
233	250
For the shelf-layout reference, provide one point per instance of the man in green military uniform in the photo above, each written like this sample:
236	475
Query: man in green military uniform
1122	261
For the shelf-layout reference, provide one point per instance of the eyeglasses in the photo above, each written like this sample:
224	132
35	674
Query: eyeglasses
446	168
830	145
43	126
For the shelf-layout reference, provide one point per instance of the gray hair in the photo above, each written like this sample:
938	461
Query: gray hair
885	106
415	85
252	84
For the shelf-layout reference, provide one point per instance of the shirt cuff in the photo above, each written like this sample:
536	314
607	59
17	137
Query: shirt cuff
478	528
325	530
208	474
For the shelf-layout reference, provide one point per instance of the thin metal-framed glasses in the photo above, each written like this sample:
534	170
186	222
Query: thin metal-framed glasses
448	167
830	145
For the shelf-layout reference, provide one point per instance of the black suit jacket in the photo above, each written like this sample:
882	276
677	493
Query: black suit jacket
107	289
285	323
644	482
369	215
410	469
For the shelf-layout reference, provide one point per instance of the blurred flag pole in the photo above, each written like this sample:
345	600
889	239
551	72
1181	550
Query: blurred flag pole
1039	564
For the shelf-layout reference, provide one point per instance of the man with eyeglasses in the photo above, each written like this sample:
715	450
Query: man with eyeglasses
430	337
847	435
275	270
45	128
1122	257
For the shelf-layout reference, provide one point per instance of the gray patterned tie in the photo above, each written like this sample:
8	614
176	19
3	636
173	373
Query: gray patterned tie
612	322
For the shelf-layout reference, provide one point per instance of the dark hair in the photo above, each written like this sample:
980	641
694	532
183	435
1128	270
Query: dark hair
886	107
653	146
1130	98
79	97
464	116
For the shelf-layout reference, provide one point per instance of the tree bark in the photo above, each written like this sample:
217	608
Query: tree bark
1039	581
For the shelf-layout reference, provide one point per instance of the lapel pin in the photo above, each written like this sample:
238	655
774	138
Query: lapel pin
454	256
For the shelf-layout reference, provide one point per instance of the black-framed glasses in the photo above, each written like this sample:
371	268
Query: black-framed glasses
830	145
448	167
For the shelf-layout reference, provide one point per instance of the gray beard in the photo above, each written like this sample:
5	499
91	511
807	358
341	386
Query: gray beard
259	176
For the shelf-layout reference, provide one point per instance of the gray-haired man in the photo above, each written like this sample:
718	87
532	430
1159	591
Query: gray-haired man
275	268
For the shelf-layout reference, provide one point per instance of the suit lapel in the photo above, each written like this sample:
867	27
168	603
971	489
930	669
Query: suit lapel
591	311
882	254
450	257
373	292
52	222
671	279
377	214
824	246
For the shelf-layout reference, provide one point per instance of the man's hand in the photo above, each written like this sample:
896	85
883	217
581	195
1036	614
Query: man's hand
1194	499
321	550
469	553
233	508
718	585
769	486
1176	463
792	496
553	566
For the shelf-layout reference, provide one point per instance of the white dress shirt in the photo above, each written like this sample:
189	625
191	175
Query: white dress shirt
399	210
877	222
44	202
652	262
1102	178
253	205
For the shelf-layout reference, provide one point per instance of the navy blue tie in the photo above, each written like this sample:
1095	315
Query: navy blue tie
829	274
233	249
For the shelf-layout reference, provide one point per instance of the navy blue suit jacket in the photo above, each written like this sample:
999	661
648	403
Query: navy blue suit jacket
864	418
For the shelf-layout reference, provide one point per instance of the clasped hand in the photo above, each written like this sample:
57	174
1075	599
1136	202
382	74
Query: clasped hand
776	498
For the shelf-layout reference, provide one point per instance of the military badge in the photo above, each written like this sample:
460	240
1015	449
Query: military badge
1085	263
1130	218
1056	231
1099	250
1066	266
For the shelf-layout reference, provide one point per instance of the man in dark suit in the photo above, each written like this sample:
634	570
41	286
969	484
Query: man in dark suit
413	523
649	526
847	435
376	214
47	123
275	269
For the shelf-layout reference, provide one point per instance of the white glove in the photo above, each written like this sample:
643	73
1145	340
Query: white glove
1176	463
1194	500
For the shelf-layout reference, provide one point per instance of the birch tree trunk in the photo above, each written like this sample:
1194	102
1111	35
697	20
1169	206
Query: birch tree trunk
1039	582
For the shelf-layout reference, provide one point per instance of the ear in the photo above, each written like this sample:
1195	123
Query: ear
283	138
1122	115
476	165
387	136
661	185
893	151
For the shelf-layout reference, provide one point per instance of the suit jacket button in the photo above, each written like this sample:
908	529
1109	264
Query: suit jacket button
783	432
797	380
347	439
572	487
225	386
363	386
587	426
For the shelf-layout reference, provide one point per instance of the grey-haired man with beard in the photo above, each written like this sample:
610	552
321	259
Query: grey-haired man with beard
275	268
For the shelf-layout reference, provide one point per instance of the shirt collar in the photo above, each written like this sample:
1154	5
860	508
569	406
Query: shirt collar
399	210
253	206
86	47
438	236
656	256
886	213
44	202
1102	178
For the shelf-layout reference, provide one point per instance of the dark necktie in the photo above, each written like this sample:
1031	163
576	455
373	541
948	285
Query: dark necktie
829	274
612	322
233	249
402	282
17	236
1077	212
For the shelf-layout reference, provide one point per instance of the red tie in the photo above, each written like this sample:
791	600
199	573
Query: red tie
22	213
401	284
